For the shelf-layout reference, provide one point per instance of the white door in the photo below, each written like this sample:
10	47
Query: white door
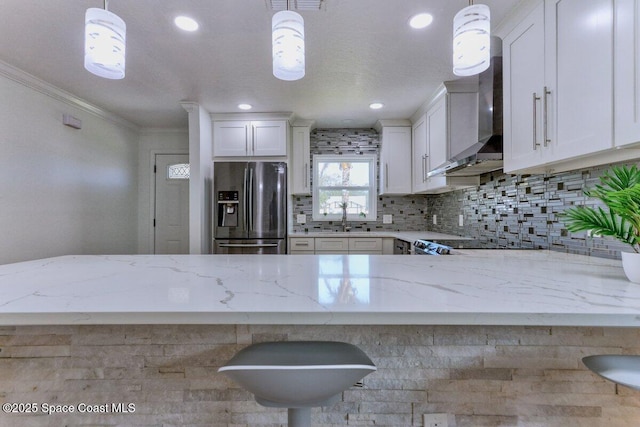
171	222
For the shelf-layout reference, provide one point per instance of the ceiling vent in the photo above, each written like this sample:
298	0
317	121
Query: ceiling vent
295	4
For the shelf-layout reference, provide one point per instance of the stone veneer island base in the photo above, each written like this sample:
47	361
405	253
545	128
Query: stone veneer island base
480	375
527	373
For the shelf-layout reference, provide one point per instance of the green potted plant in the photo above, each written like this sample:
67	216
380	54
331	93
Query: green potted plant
619	191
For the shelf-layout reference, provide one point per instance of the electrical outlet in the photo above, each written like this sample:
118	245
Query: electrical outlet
387	219
435	219
301	219
435	420
461	220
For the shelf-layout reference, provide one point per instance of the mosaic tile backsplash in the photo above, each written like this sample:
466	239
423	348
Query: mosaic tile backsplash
409	212
520	211
510	211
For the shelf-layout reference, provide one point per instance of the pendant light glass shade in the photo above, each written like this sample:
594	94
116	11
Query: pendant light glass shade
471	40
288	45
104	43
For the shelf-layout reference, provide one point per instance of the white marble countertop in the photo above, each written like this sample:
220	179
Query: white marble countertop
473	287
409	236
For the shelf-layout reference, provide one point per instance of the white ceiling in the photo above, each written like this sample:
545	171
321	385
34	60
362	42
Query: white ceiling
357	52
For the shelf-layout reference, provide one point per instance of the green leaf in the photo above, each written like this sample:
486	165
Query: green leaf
619	190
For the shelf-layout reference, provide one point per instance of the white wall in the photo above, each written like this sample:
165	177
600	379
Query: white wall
63	191
152	142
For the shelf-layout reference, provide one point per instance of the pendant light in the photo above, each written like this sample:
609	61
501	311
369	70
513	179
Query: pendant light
471	40
104	43
287	31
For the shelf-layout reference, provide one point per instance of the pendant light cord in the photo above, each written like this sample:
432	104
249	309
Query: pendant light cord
106	4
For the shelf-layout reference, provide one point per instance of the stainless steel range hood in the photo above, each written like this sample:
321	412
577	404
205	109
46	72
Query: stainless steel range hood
485	155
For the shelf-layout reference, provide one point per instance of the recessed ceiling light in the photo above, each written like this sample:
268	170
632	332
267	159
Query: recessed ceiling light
245	106
185	23
421	20
376	105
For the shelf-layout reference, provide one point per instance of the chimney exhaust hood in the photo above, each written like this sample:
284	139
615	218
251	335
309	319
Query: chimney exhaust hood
486	154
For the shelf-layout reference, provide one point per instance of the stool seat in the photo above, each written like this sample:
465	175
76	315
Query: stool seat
298	374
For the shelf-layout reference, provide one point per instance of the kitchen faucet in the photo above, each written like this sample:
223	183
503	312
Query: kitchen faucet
344	217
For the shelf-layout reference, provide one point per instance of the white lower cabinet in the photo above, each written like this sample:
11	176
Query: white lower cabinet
301	245
365	245
335	245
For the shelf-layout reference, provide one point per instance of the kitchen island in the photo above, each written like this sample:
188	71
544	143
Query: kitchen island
489	337
472	287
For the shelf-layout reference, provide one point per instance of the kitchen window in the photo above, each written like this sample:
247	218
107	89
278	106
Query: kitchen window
344	182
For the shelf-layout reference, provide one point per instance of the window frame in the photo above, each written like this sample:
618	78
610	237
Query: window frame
372	187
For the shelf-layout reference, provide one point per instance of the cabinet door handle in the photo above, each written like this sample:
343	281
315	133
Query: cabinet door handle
545	117
386	176
247	134
305	176
424	169
536	144
253	140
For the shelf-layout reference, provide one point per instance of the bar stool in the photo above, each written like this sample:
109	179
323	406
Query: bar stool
298	375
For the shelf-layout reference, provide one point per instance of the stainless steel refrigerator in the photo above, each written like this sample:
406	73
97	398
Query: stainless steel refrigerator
250	208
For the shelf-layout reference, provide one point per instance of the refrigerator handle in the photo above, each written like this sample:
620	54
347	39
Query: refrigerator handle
244	200
251	201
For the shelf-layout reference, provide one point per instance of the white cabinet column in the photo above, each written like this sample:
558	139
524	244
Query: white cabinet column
200	179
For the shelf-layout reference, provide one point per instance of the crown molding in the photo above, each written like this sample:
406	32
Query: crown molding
190	107
253	116
163	130
34	83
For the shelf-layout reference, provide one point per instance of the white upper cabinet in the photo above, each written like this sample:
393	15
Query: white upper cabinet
395	159
240	138
436	143
523	76
579	64
627	72
449	126
230	138
419	154
559	86
300	161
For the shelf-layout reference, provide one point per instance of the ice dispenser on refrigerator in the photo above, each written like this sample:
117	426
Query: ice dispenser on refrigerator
228	208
